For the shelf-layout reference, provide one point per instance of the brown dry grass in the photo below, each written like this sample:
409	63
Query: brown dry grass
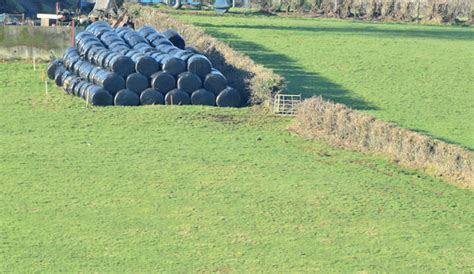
344	127
255	82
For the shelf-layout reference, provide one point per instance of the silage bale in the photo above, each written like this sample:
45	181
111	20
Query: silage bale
159	42
110	81
173	65
137	82
200	65
85	69
98	96
215	82
83	89
122	65
177	97
151	96
175	38
64	76
163	82
154	36
92	74
189	82
69	82
126	97
52	68
203	97
146	30
229	97
58	77
102	57
76	90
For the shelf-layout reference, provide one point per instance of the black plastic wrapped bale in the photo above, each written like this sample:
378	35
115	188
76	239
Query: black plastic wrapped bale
71	61
203	97
200	65
110	81
215	82
151	96
69	82
98	96
137	82
92	74
159	42
189	82
83	88
77	88
175	38
153	36
53	66
122	65
229	97
90	54
58	76
144	64
77	65
64	76
132	38
85	69
146	30
103	57
163	82
126	97
177	97
173	65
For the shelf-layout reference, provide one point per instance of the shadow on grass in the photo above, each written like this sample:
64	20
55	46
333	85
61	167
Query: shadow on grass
379	31
300	81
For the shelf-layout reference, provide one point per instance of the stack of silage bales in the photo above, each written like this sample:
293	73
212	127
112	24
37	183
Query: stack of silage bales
125	67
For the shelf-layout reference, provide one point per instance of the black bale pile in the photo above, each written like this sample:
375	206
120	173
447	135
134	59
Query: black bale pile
145	67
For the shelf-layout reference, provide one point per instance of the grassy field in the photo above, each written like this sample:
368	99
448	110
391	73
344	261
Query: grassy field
190	189
420	77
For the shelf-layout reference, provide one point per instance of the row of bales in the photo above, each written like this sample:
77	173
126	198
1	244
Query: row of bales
125	67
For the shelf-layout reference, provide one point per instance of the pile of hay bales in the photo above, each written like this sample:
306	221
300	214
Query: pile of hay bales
126	67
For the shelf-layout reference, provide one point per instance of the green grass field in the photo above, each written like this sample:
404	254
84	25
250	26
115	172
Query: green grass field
191	189
420	77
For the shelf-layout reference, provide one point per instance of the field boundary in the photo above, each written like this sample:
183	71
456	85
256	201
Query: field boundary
317	118
343	127
256	83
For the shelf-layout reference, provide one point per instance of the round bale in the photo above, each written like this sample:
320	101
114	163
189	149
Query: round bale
215	82
126	97
110	81
189	82
151	96
177	97
173	65
229	97
137	82
203	97
53	66
98	96
163	82
200	65
175	38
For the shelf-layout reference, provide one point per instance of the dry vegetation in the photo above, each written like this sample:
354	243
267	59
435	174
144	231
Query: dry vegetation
254	81
433	11
344	127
